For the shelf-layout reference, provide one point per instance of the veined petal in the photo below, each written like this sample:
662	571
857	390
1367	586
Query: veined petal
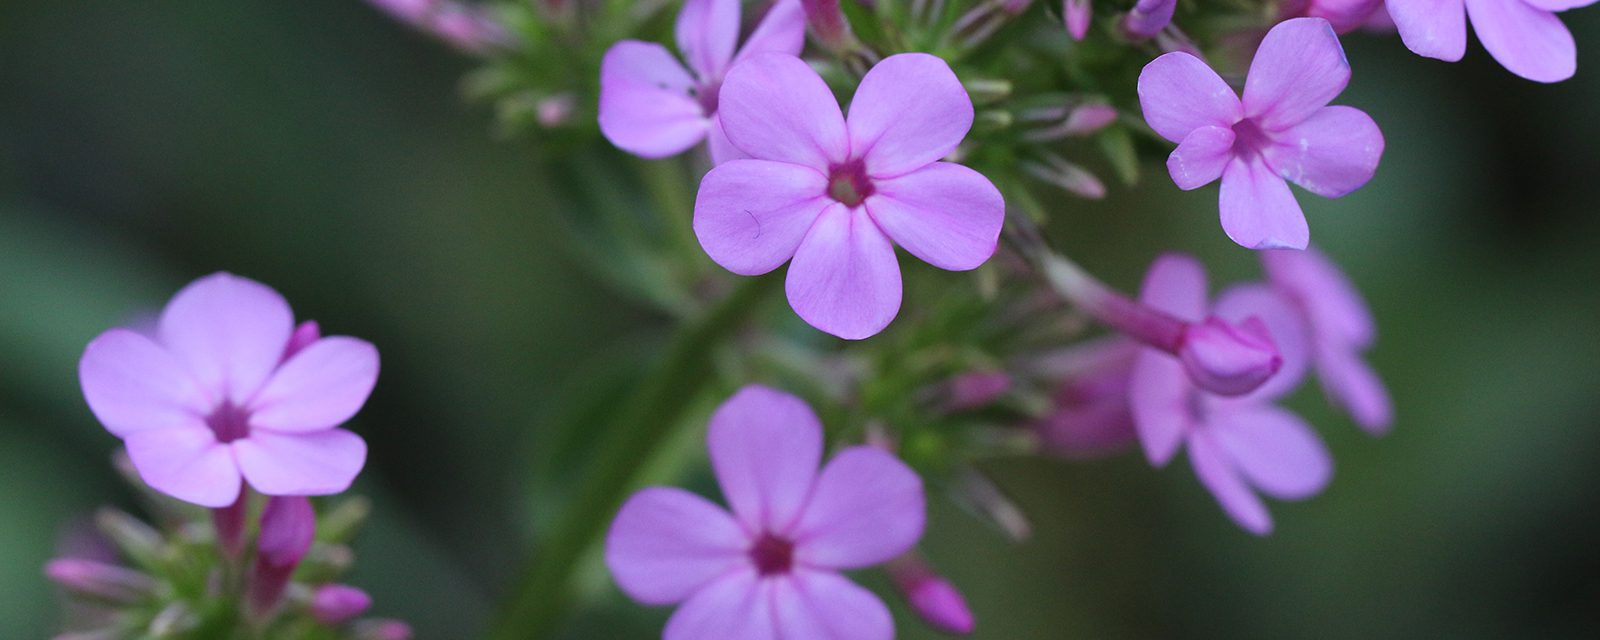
666	543
1431	28
320	387
229	332
186	463
845	279
1179	94
737	606
1200	158
822	605
1275	450
782	30
765	447
707	32
1216	471
1529	41
1298	69
1258	211
1332	153
133	384
645	104
751	215
867	508
774	107
946	214
300	464
1286	325
909	111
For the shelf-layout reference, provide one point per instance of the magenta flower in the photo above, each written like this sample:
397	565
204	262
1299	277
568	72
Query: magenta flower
652	107
227	388
770	569
1281	131
1239	446
832	193
1524	36
1340	328
1077	14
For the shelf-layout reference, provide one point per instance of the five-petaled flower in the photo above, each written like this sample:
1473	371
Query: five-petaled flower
1237	445
1525	36
652	107
831	193
770	569
1281	130
227	387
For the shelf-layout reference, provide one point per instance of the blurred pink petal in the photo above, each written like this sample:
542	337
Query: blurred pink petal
230	333
133	384
707	32
318	388
186	463
1241	302
823	604
782	30
1275	450
646	105
737	606
1216	471
315	463
765	447
866	508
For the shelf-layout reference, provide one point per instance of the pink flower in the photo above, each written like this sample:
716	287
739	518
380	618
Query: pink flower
770	569
1147	18
652	107
1239	446
1077	14
837	194
1340	328
1525	36
1281	131
227	388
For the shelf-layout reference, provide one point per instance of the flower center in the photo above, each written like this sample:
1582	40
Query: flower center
229	423
1248	138
848	183
772	555
706	94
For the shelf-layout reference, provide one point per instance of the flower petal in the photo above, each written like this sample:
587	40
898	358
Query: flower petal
845	279
1275	450
822	605
1352	385
946	214
717	142
774	107
1159	397
1286	325
1558	5
666	543
1344	15
229	331
646	107
1297	70
1258	211
765	446
751	215
1332	153
782	30
1216	471
737	606
133	384
1529	41
1431	28
1200	158
707	32
909	111
1176	284
867	507
300	464
1179	94
186	463
1335	308
320	387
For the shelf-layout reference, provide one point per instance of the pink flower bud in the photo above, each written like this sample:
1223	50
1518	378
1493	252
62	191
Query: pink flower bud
99	580
230	521
1229	359
827	22
1077	14
931	596
288	527
383	630
305	334
1089	118
975	389
336	604
1148	18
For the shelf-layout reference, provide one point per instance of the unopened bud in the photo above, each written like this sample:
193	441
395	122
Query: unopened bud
288	527
931	596
1148	18
99	580
383	629
336	604
1077	14
974	389
1228	359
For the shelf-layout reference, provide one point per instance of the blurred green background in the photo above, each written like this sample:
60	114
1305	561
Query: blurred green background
318	147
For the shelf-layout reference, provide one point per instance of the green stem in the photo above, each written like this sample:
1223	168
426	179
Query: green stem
651	417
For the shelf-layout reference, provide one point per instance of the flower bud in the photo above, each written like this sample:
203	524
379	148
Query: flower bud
288	527
305	334
974	389
931	596
99	580
827	22
1229	359
1077	14
336	604
383	630
1147	18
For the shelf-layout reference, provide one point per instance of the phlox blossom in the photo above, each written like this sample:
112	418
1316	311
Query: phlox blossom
1524	36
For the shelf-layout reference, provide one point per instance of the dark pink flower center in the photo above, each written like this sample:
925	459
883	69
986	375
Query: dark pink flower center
1248	138
848	183
772	555
229	423
706	94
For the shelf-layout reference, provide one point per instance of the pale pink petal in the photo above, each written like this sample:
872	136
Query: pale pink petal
845	279
133	384
822	605
946	214
300	464
1159	398
737	606
707	32
1258	211
1558	5
1200	158
751	215
1176	284
1335	307
717	142
774	107
1179	94
1344	15
186	463
765	446
646	107
320	387
666	543
1298	69
909	111
1352	384
1286	325
1432	28
782	30
1216	471
229	332
1274	449
867	507
1332	153
1529	41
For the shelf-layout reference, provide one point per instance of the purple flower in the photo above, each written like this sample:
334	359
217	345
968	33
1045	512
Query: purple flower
335	604
1281	131
288	529
837	194
1077	14
652	107
1239	446
933	597
217	394
1147	18
1340	328
1525	36
771	568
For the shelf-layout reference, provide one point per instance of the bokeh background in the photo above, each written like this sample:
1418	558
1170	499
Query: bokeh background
318	147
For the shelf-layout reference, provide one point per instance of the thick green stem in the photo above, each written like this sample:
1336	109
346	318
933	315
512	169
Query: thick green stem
650	418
